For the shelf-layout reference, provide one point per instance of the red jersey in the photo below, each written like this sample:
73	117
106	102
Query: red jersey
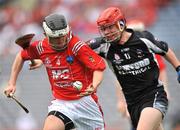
76	63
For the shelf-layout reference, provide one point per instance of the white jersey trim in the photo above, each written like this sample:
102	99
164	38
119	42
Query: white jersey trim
152	46
39	48
77	46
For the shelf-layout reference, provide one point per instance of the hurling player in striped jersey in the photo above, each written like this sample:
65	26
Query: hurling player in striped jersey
74	70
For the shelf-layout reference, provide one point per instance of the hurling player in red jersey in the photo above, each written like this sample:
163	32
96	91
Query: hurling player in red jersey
75	72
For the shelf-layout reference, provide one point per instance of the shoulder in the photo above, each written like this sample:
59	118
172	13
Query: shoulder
76	44
145	34
42	42
40	45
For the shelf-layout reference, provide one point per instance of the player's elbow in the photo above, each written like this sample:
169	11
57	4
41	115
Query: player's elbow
101	66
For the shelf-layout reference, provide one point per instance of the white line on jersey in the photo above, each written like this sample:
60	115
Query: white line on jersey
77	46
39	48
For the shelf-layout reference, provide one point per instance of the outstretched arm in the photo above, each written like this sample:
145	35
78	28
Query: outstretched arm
15	70
121	101
171	57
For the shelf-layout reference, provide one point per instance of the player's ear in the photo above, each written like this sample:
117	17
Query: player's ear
122	25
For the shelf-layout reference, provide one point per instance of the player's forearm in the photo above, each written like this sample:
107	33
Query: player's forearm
16	68
171	57
97	78
119	93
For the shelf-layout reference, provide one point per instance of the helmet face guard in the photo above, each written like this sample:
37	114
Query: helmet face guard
111	23
57	31
111	32
58	43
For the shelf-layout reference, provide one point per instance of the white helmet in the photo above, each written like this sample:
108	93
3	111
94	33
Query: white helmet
57	30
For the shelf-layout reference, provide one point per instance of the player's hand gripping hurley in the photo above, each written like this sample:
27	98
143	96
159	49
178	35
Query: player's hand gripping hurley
17	101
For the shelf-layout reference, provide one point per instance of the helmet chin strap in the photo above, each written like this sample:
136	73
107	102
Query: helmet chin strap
57	48
121	30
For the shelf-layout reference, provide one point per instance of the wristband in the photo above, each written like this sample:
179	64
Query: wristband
178	68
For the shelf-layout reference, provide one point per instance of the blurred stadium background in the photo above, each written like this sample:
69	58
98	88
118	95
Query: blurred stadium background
17	17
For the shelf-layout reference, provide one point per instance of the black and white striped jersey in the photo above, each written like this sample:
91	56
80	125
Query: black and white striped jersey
134	63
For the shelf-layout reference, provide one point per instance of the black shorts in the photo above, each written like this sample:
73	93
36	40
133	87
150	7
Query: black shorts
156	99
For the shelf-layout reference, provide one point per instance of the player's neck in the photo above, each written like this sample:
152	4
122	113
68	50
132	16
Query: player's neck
124	38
